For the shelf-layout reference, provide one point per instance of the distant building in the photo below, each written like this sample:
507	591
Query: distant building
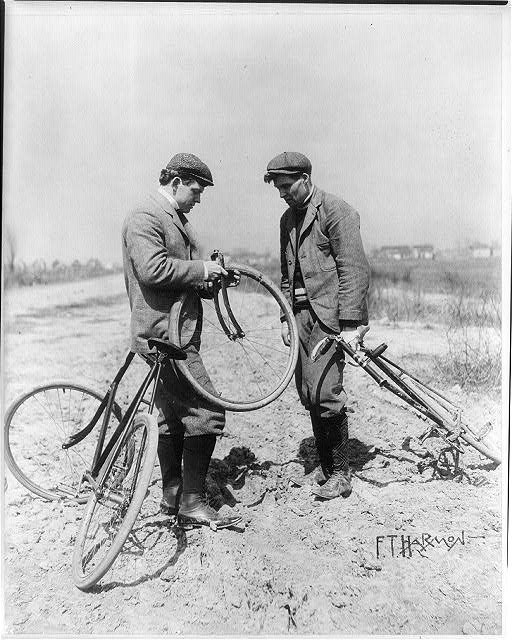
479	250
405	252
423	252
252	258
398	252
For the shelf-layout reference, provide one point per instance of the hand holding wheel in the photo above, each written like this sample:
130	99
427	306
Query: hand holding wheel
215	270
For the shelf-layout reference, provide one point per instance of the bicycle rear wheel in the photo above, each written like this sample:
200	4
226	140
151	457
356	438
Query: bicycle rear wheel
114	505
36	426
249	369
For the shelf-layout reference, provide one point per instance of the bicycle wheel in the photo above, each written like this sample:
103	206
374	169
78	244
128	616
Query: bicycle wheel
36	426
247	369
114	505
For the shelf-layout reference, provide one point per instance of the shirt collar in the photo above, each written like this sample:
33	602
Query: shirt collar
168	197
301	208
309	196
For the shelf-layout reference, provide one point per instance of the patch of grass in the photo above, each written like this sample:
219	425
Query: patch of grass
473	358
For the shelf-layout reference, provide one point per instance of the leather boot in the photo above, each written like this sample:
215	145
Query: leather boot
322	446
339	482
194	510
170	451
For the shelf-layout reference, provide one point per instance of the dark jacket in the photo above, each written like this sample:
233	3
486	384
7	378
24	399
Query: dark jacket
160	260
332	260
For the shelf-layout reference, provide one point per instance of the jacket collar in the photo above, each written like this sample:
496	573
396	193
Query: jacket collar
179	219
312	211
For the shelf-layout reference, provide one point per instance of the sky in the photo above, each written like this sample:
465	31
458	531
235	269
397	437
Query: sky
400	110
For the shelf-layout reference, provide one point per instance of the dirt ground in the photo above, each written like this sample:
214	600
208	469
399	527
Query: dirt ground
302	566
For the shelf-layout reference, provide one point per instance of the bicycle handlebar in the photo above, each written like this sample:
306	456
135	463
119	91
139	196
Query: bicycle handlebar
356	355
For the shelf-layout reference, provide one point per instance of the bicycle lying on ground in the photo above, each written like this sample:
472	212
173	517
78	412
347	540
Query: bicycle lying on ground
447	419
66	441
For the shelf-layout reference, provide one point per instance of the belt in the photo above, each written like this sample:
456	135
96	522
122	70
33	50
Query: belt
300	300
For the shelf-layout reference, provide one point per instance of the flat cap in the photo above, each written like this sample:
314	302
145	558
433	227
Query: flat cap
191	165
288	163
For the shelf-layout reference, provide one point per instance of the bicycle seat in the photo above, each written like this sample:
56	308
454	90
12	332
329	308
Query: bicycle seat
173	351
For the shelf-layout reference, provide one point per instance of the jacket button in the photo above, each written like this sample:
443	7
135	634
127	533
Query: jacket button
289	261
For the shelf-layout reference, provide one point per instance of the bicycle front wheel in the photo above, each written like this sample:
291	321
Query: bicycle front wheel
38	423
239	342
115	503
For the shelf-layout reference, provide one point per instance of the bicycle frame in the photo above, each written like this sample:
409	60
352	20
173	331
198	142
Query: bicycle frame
424	399
402	389
101	453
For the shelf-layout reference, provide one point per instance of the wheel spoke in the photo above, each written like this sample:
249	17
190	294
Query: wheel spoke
36	427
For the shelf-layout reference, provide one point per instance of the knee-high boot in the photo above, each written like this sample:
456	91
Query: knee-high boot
170	452
339	482
321	433
195	510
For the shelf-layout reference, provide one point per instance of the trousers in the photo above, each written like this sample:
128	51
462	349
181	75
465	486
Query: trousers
319	384
180	409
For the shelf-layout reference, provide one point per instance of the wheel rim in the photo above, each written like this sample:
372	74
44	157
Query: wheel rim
246	371
104	525
37	427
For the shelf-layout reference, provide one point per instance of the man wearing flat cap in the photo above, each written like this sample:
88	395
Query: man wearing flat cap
325	277
161	259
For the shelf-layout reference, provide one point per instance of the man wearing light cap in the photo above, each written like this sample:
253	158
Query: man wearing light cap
161	259
325	278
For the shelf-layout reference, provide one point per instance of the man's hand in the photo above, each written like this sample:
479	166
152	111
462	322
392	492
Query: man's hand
214	270
233	278
354	337
285	334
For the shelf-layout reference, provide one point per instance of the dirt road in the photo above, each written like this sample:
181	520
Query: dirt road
302	566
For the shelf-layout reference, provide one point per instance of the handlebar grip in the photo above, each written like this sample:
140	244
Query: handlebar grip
321	348
375	353
364	364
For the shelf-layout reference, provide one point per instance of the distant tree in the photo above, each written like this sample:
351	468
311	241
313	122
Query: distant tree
10	249
39	265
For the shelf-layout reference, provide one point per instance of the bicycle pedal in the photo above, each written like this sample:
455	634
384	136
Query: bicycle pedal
241	526
238	525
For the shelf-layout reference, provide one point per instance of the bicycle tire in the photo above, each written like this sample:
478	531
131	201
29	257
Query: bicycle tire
110	475
249	396
49	431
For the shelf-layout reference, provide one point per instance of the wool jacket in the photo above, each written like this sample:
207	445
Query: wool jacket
161	258
332	260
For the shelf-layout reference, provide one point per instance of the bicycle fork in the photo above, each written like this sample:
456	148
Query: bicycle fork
238	331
